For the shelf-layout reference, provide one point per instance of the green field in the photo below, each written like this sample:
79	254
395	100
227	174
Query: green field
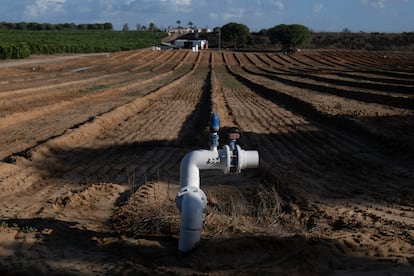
23	43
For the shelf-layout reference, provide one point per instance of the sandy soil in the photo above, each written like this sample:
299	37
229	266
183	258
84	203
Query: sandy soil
90	147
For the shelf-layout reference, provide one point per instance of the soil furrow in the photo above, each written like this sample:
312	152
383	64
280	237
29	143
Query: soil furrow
93	189
352	161
106	103
368	126
304	83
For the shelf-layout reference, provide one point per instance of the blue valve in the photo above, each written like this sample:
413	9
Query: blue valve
214	123
214	128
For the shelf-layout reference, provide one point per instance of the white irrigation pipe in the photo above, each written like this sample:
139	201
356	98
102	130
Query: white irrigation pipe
191	200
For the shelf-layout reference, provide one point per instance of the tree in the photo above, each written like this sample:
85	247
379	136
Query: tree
108	26
93	27
21	26
263	32
178	23
190	24
235	32
216	29
152	27
290	36
125	27
82	26
40	27
48	26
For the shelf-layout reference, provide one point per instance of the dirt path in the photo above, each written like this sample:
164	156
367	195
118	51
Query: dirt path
90	163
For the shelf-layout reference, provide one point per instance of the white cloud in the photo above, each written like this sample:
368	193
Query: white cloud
182	2
213	15
164	6
84	9
278	4
376	4
258	13
228	15
317	8
171	3
41	7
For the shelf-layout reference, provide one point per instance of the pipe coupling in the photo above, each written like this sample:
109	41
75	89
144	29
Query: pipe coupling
193	192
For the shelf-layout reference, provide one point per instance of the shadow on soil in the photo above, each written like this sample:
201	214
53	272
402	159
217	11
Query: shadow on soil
395	137
241	254
334	171
304	162
61	242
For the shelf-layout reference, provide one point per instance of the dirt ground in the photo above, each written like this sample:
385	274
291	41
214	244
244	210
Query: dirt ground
90	149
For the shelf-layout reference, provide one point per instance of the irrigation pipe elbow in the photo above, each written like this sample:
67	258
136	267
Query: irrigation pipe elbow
191	200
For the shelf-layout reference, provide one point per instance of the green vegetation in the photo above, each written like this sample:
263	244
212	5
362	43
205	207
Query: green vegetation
235	33
22	43
15	226
34	26
364	41
93	88
290	36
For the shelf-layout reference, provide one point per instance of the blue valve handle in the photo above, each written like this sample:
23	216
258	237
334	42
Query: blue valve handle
214	128
214	123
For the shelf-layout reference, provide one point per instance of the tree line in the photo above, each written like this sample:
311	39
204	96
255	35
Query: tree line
288	37
34	26
237	35
20	40
364	41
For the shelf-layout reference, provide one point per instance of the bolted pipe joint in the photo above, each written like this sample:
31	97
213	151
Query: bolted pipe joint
239	159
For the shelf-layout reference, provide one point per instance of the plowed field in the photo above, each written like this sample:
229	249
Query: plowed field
90	147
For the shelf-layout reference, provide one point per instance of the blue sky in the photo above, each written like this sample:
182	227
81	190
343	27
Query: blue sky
319	15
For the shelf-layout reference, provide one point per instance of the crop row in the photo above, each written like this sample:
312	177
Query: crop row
21	44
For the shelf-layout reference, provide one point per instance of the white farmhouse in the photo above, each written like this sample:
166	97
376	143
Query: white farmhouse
189	43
